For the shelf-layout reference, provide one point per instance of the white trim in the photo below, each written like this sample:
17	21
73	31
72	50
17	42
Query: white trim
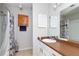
25	49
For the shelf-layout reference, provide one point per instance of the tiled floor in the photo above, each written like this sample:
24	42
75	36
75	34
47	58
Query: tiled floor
24	53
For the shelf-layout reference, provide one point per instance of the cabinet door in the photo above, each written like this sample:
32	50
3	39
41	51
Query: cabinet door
36	48
41	52
40	49
53	52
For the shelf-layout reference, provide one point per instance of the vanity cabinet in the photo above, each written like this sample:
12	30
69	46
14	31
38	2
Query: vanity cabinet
44	50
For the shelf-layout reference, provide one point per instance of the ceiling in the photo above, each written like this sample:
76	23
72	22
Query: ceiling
23	5
29	5
56	5
71	10
76	10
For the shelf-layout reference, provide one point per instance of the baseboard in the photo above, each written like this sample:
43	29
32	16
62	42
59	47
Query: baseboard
25	49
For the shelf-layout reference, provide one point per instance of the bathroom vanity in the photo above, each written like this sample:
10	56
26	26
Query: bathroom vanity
58	48
44	50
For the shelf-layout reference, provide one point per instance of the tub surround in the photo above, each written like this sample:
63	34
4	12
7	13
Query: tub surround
65	48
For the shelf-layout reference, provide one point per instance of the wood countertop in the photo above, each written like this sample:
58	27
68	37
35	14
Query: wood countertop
65	48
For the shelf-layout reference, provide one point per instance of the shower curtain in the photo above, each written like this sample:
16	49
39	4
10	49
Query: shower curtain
13	42
8	44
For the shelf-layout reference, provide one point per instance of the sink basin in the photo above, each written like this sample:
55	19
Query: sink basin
49	40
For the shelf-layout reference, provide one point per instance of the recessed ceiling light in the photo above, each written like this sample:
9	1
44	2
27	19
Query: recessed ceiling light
55	5
20	7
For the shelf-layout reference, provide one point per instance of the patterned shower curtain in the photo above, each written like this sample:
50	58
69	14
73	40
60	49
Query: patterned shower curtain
13	42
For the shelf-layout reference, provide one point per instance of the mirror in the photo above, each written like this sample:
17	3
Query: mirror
69	23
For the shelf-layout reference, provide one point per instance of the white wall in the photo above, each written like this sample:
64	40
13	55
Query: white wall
64	6
54	31
38	8
24	39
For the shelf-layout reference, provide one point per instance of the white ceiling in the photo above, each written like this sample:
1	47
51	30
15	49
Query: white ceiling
71	10
29	5
56	5
24	5
76	10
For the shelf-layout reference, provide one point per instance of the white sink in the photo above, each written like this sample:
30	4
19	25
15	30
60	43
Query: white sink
49	40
